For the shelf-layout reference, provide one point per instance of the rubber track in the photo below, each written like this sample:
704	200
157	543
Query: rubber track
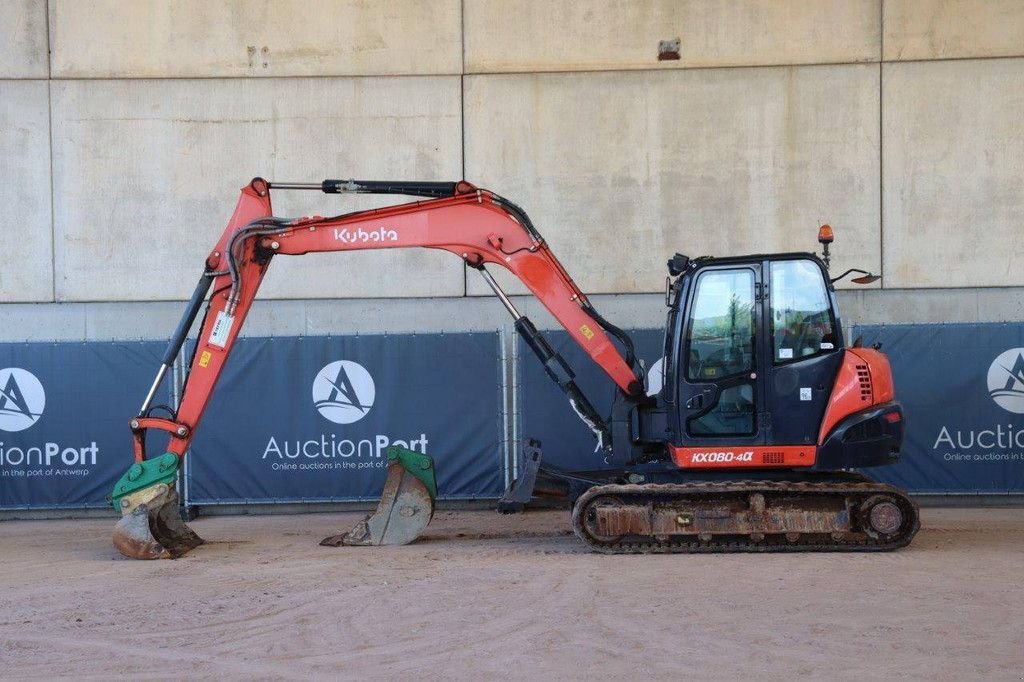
810	542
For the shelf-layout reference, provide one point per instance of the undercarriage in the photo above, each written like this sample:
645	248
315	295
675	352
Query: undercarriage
746	516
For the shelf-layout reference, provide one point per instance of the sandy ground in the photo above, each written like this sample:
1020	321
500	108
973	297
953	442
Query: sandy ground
484	596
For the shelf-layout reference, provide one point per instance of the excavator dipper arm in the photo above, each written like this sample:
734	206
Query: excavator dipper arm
476	225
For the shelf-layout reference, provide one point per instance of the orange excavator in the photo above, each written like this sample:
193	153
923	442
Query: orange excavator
749	438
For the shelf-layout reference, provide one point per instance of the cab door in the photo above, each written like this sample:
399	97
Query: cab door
719	390
805	349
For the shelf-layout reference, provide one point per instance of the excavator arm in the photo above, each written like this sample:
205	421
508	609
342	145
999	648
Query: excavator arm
476	225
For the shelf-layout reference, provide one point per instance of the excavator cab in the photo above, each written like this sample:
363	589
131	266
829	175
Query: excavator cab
754	349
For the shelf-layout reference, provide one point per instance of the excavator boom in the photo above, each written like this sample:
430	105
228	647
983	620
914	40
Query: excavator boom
476	225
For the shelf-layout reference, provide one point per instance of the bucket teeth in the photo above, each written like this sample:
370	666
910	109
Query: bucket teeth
153	529
405	508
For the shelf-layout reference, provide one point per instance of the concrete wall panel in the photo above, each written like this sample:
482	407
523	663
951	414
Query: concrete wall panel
25	235
23	39
198	38
147	174
953	160
944	29
620	170
541	35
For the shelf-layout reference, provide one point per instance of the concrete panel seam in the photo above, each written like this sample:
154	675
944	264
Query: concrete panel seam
993	58
371	76
726	67
49	57
511	72
462	122
53	218
881	156
462	32
462	112
717	67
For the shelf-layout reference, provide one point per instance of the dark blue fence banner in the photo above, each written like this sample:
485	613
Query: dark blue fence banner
962	388
544	411
309	419
64	411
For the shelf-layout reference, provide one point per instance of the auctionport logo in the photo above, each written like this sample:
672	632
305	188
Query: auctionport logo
1006	380
343	392
22	399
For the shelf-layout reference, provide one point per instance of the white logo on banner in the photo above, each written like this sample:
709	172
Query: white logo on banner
22	399
343	392
1006	380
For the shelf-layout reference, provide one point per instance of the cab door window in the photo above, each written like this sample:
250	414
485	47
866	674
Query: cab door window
720	348
720	341
802	325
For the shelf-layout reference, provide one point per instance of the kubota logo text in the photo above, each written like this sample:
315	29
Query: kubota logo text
361	236
1006	380
343	392
22	399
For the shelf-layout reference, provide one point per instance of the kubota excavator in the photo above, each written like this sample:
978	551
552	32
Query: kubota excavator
750	441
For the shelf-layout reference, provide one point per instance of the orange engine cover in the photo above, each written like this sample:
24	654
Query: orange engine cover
864	379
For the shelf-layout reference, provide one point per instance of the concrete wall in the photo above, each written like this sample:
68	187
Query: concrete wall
23	39
952	29
625	168
147	172
242	38
26	235
541	35
954	172
127	126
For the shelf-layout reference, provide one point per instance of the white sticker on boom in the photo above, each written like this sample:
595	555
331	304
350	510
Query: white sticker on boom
785	353
825	345
221	329
805	393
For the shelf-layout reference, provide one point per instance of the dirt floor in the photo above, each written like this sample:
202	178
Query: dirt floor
485	596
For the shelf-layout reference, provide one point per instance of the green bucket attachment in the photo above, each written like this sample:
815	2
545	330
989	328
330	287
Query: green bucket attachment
150	525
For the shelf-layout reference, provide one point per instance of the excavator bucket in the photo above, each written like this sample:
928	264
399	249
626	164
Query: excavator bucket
154	530
406	504
150	525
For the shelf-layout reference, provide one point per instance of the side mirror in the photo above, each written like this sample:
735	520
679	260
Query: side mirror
866	278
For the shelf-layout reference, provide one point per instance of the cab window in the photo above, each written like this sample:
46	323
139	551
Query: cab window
732	415
720	340
801	317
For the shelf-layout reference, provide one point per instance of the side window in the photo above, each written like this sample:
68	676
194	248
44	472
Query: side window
801	317
720	340
732	415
